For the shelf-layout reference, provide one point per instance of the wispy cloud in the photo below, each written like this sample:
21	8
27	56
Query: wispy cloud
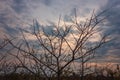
19	6
112	27
14	12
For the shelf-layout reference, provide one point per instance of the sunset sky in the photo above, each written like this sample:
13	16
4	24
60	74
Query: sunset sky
15	14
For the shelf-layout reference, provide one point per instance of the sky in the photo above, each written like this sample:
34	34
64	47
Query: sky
16	14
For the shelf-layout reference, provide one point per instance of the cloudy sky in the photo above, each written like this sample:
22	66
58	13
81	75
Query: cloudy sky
15	14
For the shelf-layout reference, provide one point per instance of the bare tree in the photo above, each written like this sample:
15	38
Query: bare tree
51	54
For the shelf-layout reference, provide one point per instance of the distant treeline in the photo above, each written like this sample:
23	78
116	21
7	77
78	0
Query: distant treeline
18	76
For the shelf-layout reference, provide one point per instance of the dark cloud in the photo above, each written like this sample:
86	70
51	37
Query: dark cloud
10	31
19	6
5	22
114	15
47	2
16	8
113	28
10	14
2	18
113	12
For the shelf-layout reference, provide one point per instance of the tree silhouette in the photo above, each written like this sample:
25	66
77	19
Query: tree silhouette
50	55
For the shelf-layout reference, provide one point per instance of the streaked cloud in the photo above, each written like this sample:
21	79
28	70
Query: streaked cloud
110	52
16	14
